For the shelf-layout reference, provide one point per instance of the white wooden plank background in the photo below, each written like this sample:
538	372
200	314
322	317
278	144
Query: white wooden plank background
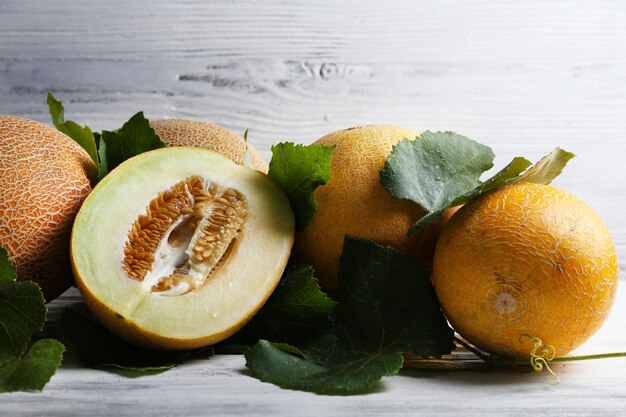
522	77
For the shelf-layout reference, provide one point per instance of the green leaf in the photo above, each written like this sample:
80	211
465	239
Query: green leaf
543	172
348	373
295	313
81	135
32	371
387	303
299	170
22	313
548	168
135	137
247	161
96	347
435	169
103	169
442	170
320	346
504	176
298	313
8	273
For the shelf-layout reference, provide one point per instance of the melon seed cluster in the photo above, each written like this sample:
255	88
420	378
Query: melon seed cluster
190	228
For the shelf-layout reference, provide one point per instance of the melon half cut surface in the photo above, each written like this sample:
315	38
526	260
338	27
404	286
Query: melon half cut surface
179	247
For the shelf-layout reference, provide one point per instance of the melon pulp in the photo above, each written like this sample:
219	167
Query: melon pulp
178	248
44	178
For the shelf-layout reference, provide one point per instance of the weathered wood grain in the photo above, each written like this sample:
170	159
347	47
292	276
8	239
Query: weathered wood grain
522	77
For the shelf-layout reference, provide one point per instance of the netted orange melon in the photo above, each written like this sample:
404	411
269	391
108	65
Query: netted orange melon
44	178
355	203
526	261
177	248
178	132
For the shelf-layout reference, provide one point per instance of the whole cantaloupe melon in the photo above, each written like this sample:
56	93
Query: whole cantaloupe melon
44	178
179	132
355	203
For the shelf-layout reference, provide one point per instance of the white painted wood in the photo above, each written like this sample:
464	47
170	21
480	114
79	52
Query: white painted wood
221	386
520	76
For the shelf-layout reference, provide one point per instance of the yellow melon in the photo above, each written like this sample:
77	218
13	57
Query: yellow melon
526	261
355	203
44	178
177	132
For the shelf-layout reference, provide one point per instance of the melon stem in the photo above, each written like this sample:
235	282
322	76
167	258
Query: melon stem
496	360
501	361
484	357
589	357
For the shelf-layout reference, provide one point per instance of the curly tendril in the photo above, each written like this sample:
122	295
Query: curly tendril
540	356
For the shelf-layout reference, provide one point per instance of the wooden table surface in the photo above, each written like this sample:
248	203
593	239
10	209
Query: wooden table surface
520	76
221	386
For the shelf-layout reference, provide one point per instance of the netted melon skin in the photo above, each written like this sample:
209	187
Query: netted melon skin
526	261
44	178
355	203
179	132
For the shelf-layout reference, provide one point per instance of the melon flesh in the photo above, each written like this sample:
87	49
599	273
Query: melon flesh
211	304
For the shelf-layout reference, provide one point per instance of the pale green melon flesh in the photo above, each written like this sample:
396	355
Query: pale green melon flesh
231	294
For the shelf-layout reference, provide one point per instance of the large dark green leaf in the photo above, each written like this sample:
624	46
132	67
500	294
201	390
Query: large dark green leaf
22	313
32	371
387	306
387	303
345	373
296	312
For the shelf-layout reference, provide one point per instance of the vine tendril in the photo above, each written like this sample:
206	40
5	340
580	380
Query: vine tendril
540	356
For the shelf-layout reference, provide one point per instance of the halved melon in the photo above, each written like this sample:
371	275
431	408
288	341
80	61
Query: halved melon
179	247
